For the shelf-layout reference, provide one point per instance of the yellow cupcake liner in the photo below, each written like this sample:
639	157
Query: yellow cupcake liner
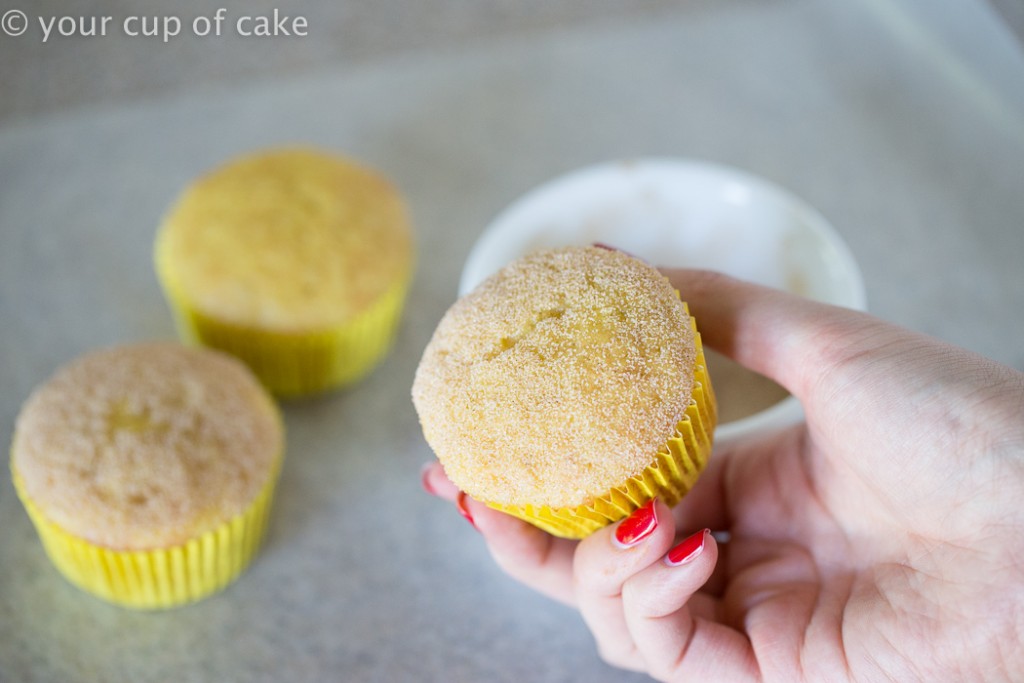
294	364
670	476
159	578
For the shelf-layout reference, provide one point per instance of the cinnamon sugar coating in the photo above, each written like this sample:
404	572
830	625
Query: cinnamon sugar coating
146	446
557	379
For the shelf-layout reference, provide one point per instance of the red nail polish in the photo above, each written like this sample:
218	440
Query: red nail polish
424	481
688	550
637	526
608	247
460	503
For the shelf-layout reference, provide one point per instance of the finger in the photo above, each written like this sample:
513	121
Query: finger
849	368
800	344
780	335
527	554
436	483
714	589
711	506
524	552
604	561
705	505
674	627
708	503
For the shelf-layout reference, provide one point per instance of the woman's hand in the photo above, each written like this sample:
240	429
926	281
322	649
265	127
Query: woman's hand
881	540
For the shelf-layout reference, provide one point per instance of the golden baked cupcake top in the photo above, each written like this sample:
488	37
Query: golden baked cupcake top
287	240
146	446
556	379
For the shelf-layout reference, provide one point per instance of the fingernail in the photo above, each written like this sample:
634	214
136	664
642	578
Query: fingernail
424	480
460	503
637	526
688	550
608	247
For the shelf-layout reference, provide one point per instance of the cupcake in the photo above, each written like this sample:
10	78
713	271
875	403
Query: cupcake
295	261
568	390
148	471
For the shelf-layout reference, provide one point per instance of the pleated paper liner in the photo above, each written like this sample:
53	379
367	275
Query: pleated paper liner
161	578
673	473
294	364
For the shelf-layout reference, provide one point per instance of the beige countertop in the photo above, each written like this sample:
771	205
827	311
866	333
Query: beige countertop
43	71
901	121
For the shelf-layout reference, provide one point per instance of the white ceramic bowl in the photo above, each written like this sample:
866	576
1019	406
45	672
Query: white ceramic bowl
675	212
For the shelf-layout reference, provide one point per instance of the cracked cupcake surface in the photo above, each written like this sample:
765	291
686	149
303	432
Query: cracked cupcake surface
557	379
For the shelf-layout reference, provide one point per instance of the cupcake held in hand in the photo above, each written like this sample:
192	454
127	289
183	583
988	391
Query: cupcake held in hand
568	389
295	261
148	471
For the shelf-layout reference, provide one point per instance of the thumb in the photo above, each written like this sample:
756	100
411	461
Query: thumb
820	352
774	333
887	403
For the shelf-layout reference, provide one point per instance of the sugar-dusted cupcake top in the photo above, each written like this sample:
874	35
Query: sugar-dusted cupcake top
286	240
556	379
146	446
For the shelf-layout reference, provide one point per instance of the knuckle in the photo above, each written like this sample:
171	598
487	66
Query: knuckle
634	599
643	600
